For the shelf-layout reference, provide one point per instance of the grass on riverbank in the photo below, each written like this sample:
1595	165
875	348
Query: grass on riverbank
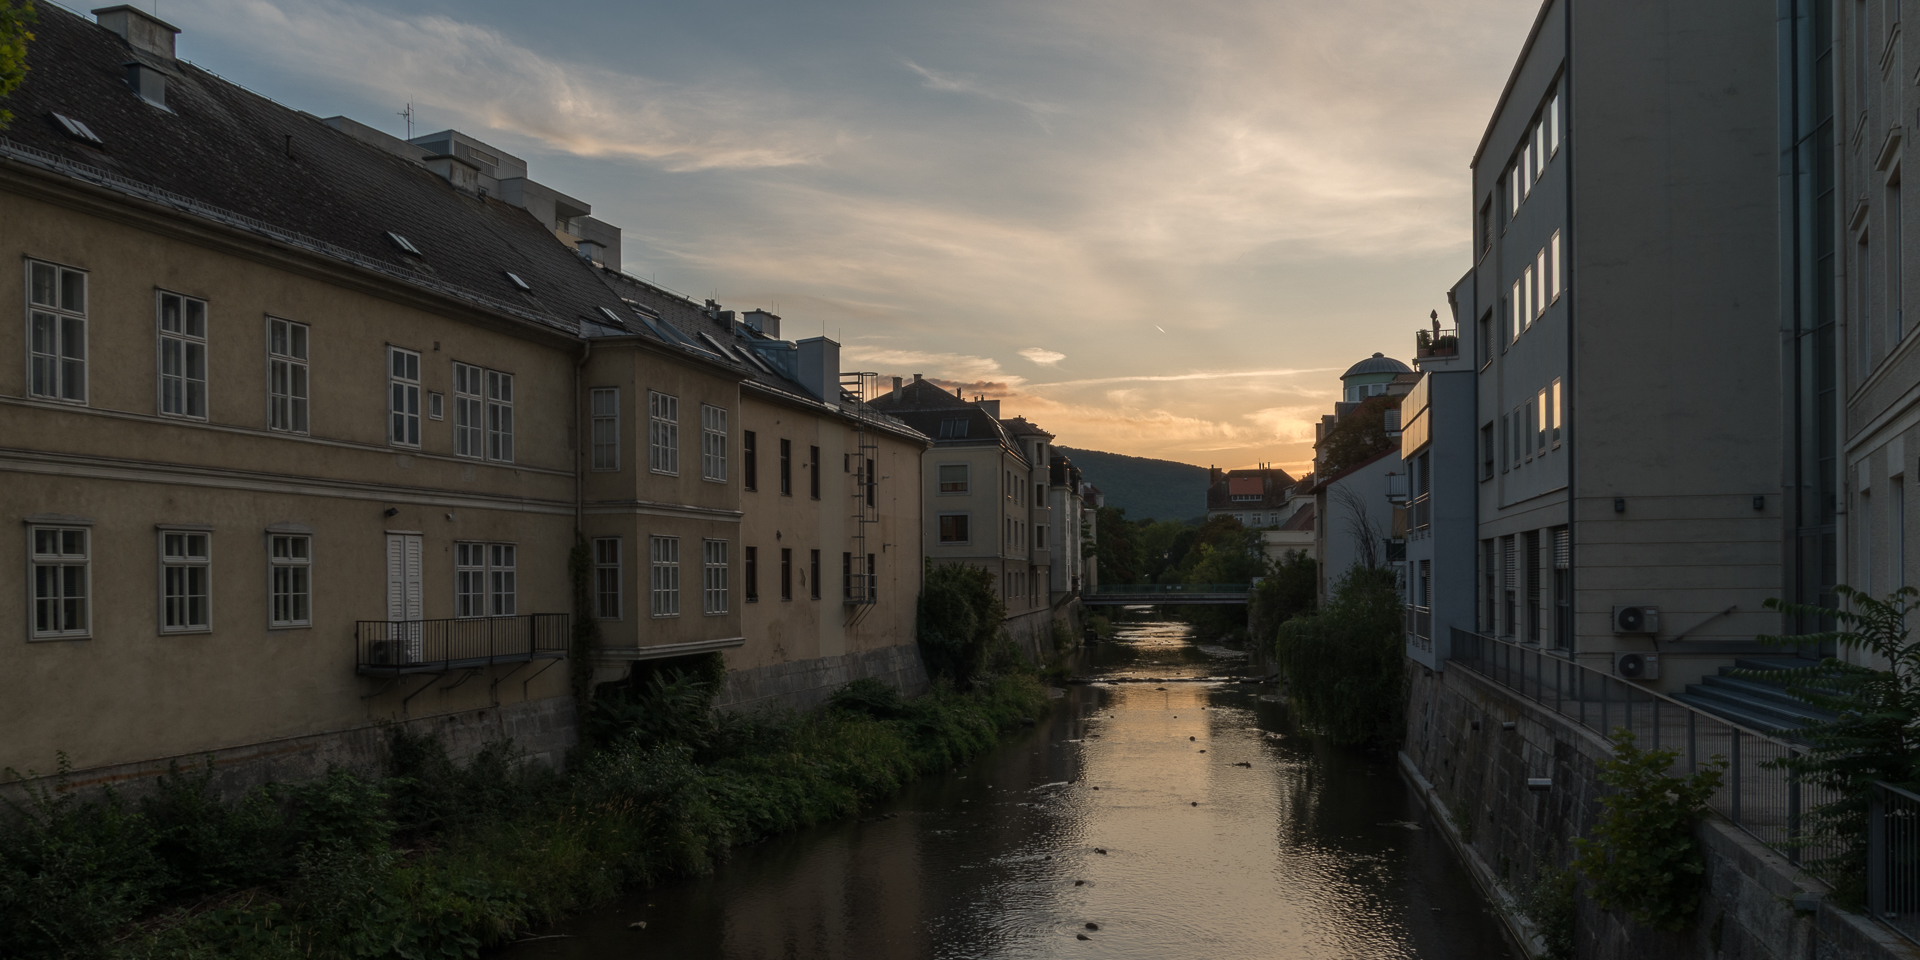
435	859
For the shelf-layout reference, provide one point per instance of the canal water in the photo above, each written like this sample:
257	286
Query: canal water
1156	820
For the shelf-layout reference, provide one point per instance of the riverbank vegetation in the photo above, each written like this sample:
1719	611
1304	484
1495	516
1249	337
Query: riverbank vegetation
1345	664
432	858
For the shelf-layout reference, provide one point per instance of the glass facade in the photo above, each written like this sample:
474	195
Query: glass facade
1809	209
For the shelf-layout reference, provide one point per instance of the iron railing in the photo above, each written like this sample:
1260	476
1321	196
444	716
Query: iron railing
392	647
1166	589
1436	343
1765	801
1421	510
1893	858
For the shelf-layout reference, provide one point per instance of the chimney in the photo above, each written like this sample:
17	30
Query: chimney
141	30
763	322
916	378
992	407
896	386
820	368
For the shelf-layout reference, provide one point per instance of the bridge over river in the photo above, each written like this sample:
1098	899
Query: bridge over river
1166	594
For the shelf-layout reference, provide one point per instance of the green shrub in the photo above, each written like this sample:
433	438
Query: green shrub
1549	902
1643	857
1344	666
959	620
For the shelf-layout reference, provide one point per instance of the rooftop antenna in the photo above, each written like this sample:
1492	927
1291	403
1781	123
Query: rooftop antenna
408	113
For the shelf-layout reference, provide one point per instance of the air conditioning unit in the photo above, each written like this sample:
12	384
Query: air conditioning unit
1636	619
1636	666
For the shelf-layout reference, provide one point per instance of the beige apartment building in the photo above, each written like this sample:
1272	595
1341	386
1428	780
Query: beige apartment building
306	421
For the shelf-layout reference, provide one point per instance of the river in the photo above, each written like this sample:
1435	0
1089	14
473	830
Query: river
1155	820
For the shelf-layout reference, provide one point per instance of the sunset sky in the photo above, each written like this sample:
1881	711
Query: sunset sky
1160	229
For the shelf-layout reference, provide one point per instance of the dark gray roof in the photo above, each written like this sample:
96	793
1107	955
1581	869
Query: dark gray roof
1377	364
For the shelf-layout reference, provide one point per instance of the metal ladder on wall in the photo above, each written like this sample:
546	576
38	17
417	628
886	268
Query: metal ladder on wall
862	585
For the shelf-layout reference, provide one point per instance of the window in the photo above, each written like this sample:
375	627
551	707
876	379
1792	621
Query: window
290	580
663	448
60	580
1895	319
1505	458
1541	293
1553	125
606	578
1524	168
436	405
1862	252
713	443
1529	295
1486	226
183	356
953	478
873	582
813	472
749	461
665	556
752	585
1510	575
1522	446
185	567
1557	411
786	468
1516	308
1557	281
846	576
1486	451
57	332
499	416
955	429
403	396
1487	340
484	580
606	428
1540	422
872	480
713	562
1489	567
953	528
286	375
1531	542
813	573
786	573
1040	536
469	411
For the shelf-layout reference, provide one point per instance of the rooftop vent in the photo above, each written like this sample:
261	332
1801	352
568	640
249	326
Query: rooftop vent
406	246
518	283
148	82
78	130
763	322
141	30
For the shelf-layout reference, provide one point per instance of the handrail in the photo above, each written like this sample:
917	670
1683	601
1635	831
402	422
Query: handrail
392	647
1137	589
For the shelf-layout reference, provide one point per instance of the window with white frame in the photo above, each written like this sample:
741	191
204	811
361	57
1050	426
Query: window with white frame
186	570
61	571
183	355
499	416
1540	277
713	558
1527	295
713	443
664	575
286	375
663	434
606	578
1557	411
1540	424
403	396
1517	308
953	478
1557	283
469	410
502	585
290	580
56	332
485	580
1553	125
605	402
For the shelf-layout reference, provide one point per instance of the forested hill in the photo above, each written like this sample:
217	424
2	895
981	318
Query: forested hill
1148	488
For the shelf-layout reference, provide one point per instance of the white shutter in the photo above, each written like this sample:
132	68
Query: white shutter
396	550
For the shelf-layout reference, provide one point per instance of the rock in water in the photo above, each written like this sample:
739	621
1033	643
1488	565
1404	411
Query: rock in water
1079	883
1092	926
1081	936
637	925
1100	850
1196	803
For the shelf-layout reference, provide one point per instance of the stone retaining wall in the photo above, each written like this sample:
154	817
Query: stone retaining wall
1475	782
802	684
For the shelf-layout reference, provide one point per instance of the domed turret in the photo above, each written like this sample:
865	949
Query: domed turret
1369	377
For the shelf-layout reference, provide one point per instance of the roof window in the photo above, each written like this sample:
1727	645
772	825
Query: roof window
719	347
518	284
607	312
953	429
78	130
406	246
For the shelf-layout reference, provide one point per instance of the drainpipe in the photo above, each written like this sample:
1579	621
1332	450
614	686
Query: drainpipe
579	435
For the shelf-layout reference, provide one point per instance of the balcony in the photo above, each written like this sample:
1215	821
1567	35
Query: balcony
389	648
1436	343
1420	626
1421	511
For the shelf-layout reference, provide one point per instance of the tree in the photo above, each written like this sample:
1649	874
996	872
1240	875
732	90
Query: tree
1358	436
1345	666
1116	550
959	619
1289	590
14	19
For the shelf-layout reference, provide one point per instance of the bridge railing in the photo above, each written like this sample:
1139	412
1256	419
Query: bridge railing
1165	589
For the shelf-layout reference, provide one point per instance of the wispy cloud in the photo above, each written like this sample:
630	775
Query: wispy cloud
1174	377
960	83
1042	356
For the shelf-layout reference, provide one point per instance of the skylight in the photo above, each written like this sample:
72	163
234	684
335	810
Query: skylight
612	317
953	429
717	345
406	246
518	283
78	130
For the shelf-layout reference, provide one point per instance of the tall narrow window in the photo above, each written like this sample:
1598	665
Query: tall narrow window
1562	590
846	576
872	480
1897	530
1558	411
1513	191
1530	294
183	356
57	332
1487	339
1489	577
1532	545
713	582
873	581
1541	291
61	575
663	441
813	573
1486	451
813	472
186	567
1553	124
1525	167
1557	281
750	576
502	581
786	573
1540	422
1511	576
469	579
286	375
665	575
1505	450
499	416
403	396
606	578
786	468
1895	315
1517	310
469	411
290	580
606	428
749	461
1863	256
713	443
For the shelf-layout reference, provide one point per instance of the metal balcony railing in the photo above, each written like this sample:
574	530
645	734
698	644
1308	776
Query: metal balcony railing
1893	858
1446	343
1421	511
394	647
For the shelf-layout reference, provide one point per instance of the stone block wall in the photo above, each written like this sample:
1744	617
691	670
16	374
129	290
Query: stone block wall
803	684
1473	774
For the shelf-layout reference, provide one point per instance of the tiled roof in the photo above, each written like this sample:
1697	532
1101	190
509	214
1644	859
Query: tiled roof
1302	518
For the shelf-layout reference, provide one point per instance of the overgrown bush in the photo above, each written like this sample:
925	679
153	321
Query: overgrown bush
1344	666
1643	857
1549	902
959	620
1291	588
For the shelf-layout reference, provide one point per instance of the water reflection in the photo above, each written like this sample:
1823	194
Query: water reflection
1181	819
